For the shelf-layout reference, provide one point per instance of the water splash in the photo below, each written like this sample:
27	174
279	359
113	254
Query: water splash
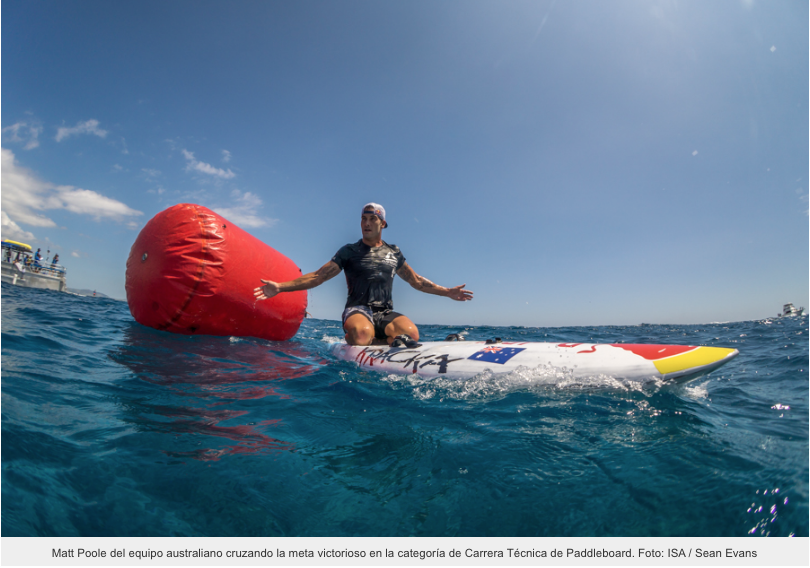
492	385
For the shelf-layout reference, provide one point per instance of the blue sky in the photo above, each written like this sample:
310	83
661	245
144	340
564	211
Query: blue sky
572	162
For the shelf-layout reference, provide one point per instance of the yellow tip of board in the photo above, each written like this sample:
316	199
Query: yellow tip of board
695	359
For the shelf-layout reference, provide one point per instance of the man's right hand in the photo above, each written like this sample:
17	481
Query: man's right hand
267	291
305	282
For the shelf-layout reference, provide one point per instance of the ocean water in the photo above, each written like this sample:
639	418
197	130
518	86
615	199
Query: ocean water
113	429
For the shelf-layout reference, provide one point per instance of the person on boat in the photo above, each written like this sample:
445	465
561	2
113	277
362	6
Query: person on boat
370	265
55	261
38	260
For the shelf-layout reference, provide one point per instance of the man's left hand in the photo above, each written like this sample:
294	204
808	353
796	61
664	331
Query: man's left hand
459	294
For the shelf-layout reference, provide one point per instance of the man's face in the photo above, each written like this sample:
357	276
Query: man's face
371	226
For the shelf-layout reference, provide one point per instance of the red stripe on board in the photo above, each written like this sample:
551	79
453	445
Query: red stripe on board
653	352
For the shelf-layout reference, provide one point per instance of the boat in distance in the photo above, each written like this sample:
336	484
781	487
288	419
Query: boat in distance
788	310
18	266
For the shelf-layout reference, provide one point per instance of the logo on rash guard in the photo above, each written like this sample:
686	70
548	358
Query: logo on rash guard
390	259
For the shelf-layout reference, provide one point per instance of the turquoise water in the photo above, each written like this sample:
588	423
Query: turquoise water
113	429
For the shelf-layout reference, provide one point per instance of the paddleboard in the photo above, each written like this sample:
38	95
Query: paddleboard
464	359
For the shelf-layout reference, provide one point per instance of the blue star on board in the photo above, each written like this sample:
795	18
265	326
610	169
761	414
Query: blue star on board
499	355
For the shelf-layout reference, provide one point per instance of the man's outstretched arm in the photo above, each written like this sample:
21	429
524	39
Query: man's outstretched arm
305	282
422	284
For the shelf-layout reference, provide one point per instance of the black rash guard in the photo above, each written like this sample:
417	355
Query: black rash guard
369	273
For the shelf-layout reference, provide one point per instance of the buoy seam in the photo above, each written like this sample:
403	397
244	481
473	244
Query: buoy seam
201	268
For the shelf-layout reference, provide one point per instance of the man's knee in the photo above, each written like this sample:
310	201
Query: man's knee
359	331
402	325
359	337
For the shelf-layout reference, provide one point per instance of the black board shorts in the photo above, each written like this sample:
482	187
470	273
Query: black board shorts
379	319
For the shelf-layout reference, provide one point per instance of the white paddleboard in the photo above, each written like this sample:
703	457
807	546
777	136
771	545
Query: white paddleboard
469	358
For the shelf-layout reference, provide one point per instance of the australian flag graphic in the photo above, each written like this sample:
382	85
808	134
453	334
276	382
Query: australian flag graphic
499	355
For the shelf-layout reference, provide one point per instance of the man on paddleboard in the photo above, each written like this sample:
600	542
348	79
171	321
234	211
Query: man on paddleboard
370	265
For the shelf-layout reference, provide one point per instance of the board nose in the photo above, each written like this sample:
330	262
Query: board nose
698	359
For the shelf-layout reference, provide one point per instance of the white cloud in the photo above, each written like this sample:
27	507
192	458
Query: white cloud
204	168
24	196
87	202
23	133
12	230
242	210
226	156
695	153
86	127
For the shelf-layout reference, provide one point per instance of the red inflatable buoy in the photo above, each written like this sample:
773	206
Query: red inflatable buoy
190	271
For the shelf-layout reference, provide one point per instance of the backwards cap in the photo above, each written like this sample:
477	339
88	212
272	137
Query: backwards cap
377	210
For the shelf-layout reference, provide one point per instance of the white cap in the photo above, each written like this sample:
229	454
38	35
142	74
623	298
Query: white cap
377	210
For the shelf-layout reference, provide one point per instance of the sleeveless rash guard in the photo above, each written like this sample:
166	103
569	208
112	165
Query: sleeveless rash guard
369	273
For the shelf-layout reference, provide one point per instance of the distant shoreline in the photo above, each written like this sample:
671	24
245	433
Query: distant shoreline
85	292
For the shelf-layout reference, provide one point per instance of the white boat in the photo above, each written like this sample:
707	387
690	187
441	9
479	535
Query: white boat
19	267
789	311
